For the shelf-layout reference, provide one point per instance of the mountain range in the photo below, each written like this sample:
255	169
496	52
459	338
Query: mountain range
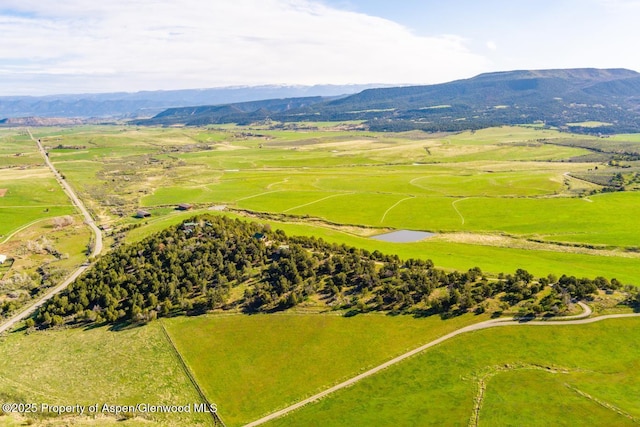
563	98
608	99
149	103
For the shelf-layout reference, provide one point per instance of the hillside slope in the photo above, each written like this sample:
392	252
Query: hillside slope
149	103
554	97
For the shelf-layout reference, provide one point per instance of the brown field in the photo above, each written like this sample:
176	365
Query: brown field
3	191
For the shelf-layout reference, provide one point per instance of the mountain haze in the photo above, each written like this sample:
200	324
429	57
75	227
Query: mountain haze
149	103
554	97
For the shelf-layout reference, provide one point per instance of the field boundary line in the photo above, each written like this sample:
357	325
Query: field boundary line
256	195
602	403
216	418
474	421
278	182
444	193
316	201
507	321
22	228
393	206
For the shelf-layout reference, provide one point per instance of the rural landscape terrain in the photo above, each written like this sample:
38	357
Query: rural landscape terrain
436	255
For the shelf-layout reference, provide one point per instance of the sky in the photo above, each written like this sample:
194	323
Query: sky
89	46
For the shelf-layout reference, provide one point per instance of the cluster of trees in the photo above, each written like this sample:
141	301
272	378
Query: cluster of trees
194	266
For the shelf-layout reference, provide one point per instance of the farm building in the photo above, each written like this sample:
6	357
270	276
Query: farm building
142	214
184	207
3	258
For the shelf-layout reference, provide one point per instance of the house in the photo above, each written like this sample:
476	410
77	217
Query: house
3	258
259	236
184	207
142	214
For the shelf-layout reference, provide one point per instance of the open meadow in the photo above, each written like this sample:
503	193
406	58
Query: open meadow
246	364
250	366
510	376
85	367
499	198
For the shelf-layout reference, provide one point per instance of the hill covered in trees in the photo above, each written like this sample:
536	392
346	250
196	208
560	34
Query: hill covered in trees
558	98
213	262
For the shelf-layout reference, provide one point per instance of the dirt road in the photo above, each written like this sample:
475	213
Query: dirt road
507	321
97	245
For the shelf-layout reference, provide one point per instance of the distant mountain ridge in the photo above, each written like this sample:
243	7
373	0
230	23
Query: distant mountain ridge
149	103
554	97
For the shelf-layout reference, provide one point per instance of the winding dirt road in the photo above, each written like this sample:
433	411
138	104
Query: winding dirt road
507	321
97	245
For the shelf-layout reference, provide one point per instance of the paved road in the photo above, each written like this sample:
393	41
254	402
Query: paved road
12	321
97	247
507	321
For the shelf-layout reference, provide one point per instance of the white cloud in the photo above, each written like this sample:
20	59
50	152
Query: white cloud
81	45
492	45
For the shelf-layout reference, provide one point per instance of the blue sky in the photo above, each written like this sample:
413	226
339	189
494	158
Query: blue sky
77	46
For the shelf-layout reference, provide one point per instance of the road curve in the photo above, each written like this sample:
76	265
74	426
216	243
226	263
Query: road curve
507	321
10	323
97	246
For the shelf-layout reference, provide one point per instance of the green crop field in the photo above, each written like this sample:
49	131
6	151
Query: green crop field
27	195
576	375
246	365
500	198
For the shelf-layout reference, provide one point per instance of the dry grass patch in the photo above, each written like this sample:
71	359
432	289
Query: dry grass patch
504	241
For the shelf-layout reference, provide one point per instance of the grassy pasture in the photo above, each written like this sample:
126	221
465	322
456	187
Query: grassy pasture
246	364
510	394
31	194
438	387
31	187
96	366
17	149
493	181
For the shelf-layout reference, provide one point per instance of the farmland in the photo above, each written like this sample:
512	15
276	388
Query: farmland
245	365
500	199
96	366
585	371
234	354
487	194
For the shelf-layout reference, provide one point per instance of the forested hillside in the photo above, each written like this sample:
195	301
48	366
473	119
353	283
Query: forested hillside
213	262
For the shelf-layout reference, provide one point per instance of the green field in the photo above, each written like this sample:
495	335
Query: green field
246	364
29	194
581	374
501	187
499	199
576	375
85	367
